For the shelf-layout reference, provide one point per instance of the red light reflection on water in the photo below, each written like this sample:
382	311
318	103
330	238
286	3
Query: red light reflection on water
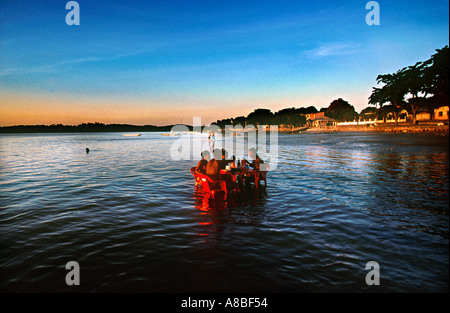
215	213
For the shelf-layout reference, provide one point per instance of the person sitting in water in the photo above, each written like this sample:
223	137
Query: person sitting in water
201	166
256	160
224	162
213	166
255	163
229	180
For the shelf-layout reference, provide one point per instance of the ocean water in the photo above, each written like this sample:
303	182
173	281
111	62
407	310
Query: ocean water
132	219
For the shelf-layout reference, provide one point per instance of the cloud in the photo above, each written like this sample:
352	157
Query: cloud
25	70
55	66
334	49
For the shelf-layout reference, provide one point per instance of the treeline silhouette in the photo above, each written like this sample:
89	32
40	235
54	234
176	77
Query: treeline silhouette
84	127
288	116
422	87
339	110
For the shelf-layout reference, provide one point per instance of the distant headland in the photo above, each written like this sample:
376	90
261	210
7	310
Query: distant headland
83	128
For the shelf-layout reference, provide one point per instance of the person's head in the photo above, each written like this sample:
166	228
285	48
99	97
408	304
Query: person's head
252	153
217	154
205	155
224	154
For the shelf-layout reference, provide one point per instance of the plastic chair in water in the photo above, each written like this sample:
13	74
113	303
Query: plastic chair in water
263	169
208	184
196	177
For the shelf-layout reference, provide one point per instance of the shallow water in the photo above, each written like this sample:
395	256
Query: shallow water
134	222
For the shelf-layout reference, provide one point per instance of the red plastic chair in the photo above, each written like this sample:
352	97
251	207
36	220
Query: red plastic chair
264	168
212	186
208	184
197	179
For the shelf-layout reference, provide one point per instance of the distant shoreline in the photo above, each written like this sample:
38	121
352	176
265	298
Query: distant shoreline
84	128
426	127
429	127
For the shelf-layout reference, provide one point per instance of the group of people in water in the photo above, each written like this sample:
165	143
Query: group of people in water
211	166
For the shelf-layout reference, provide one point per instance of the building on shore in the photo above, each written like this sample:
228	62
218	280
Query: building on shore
423	116
319	119
441	113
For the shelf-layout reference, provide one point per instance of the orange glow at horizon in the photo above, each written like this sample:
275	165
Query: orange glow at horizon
43	110
47	109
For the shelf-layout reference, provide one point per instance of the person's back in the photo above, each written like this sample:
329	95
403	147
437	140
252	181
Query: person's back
201	165
213	166
213	169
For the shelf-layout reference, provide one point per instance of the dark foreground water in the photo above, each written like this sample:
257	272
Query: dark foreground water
132	220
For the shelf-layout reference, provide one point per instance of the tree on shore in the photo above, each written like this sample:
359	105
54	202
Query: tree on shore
393	92
436	80
260	117
369	112
415	85
341	110
289	117
426	83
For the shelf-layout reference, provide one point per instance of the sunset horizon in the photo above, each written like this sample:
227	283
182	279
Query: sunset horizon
224	154
159	64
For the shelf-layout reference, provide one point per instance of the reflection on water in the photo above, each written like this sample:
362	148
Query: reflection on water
243	207
134	221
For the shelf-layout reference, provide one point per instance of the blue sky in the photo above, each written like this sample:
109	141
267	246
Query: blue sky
162	62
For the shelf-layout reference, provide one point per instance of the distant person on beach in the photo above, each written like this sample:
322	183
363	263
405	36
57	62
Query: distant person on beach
213	166
201	166
212	140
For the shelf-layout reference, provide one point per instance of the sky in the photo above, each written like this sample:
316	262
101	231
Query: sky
165	62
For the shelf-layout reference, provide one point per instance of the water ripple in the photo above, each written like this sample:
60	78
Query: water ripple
134	222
